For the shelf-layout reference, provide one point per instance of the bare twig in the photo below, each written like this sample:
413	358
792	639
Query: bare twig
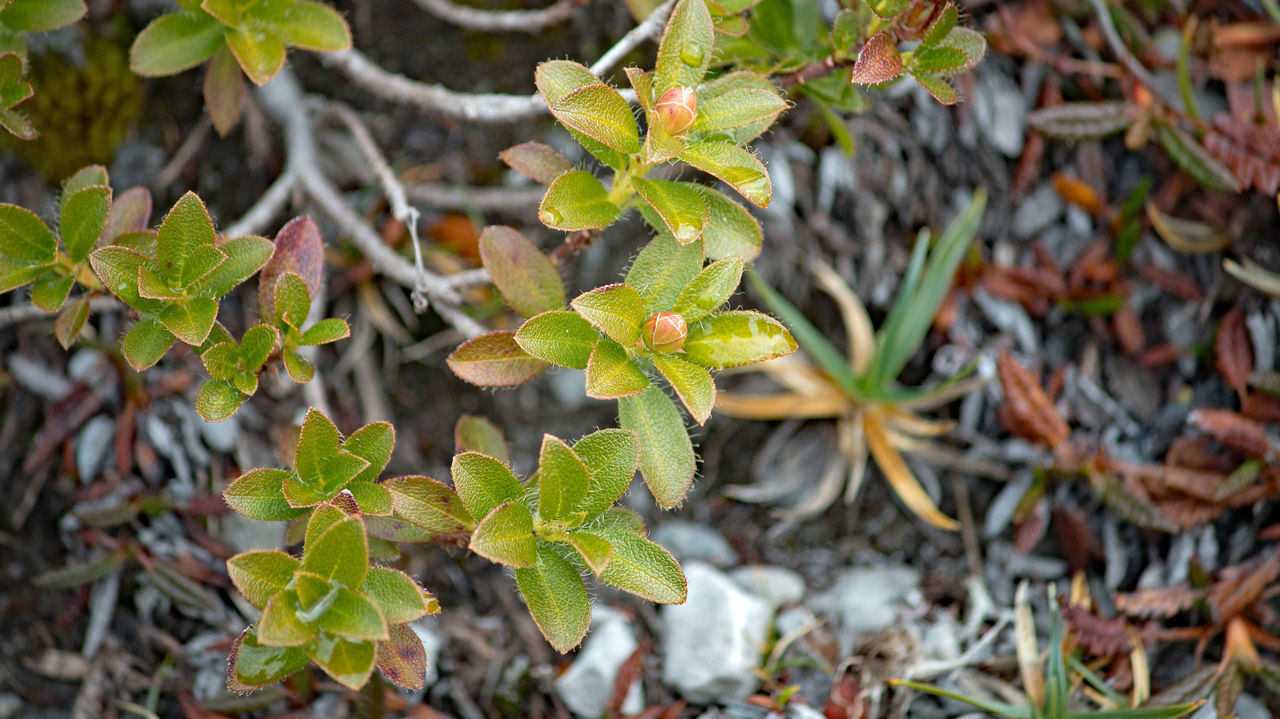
185	153
481	107
283	99
530	21
267	207
507	200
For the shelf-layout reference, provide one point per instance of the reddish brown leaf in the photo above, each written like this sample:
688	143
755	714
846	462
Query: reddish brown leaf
1128	328
1159	355
1163	603
627	675
1241	586
65	417
1075	536
300	250
878	61
845	700
1232	350
1026	410
1171	281
1234	430
1078	192
1100	637
1261	407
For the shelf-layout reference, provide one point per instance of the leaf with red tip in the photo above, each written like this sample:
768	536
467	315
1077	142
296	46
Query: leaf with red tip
494	359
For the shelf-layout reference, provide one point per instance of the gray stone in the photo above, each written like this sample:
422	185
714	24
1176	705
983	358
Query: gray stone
93	447
10	705
587	685
867	599
1246	708
1000	112
777	585
1036	211
689	541
711	643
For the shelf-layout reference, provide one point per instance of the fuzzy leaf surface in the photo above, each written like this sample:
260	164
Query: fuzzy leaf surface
560	337
667	462
734	339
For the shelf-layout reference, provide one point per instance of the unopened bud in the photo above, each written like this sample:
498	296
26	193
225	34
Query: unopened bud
677	109
664	332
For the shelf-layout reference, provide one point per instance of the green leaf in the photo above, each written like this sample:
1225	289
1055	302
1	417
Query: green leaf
611	373
339	470
483	483
175	42
301	495
146	342
340	553
599	112
1195	160
71	321
536	161
258	494
709	290
692	383
402	659
50	292
731	230
995	708
940	29
14	274
317	442
328	330
117	268
602	152
429	504
190	320
505	536
349	662
222	360
260	54
939	59
684	54
734	166
399	597
83	216
255	665
477	434
909	319
354	616
970	42
280	626
373	499
611	456
643	568
261	574
183	243
41	15
562	480
679	204
25	238
497	359
257	344
662	269
596	551
218	399
315	594
560	337
299	368
292	300
373	443
739	107
667	462
557	599
245	256
941	90
88	176
312	26
577	201
734	339
523	275
616	310
557	78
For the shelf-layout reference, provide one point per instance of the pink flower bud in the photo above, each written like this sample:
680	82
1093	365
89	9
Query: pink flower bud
677	109
664	332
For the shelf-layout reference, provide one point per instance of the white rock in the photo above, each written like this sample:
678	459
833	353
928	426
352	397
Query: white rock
777	585
587	685
1039	209
867	599
1246	708
93	447
690	541
711	643
1001	112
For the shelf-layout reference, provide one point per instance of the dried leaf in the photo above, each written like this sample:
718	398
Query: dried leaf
1026	410
1233	351
1190	236
1163	603
1241	586
1100	637
878	61
1078	192
1083	120
1234	430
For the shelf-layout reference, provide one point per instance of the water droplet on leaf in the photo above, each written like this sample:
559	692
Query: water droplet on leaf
691	54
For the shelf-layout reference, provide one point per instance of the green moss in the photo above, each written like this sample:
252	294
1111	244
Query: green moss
82	112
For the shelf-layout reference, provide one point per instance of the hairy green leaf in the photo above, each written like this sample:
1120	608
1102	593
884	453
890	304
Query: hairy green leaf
643	568
563	480
560	337
557	599
429	504
496	359
577	201
667	462
709	289
692	383
663	268
611	373
505	536
599	112
685	51
611	456
483	483
734	339
261	574
616	310
734	166
679	204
